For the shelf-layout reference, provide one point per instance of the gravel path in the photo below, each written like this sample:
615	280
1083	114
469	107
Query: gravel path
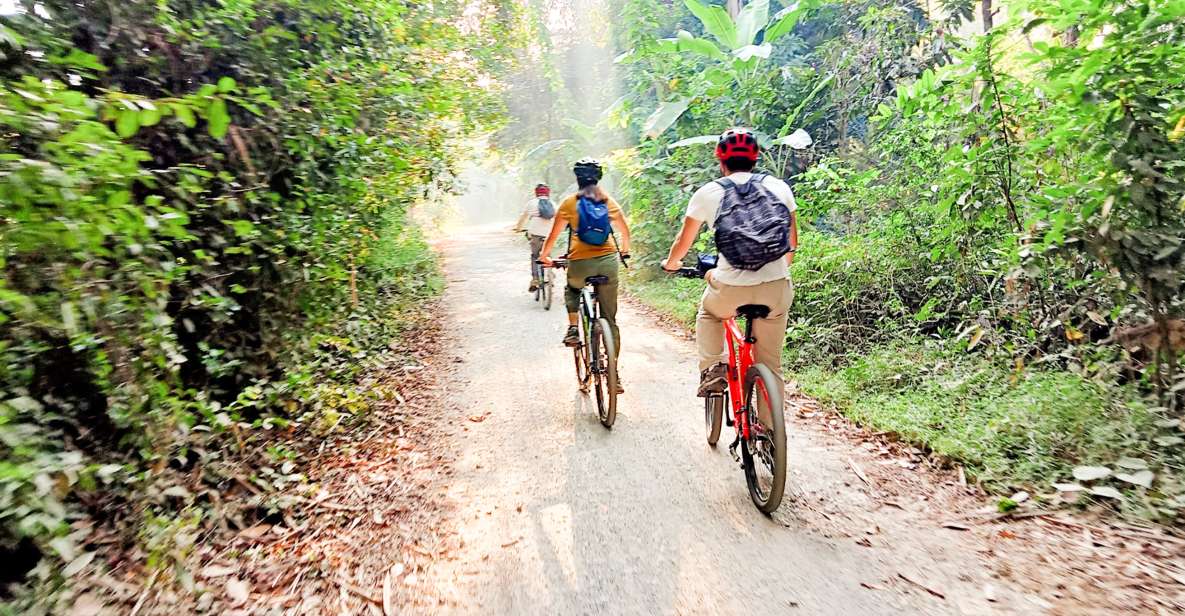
559	515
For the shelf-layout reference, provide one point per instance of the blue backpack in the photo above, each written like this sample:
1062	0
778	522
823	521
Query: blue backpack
593	225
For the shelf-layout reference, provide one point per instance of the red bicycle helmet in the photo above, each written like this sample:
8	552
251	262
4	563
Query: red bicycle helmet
542	190
737	143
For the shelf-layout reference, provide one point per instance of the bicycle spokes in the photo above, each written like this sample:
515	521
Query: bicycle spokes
763	450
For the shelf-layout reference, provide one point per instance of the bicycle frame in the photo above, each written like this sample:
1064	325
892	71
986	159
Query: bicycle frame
740	359
590	311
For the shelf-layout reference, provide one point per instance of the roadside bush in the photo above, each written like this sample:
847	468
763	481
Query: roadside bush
204	232
1010	427
1005	201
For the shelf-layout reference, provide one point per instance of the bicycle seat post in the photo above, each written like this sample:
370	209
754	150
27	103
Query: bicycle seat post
750	312
749	339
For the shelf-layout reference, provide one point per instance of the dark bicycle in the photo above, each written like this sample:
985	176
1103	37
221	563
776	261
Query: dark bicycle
596	352
544	285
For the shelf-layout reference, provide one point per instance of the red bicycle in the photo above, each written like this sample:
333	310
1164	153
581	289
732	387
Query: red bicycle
754	402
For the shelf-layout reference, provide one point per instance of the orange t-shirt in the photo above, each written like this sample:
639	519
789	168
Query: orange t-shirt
578	249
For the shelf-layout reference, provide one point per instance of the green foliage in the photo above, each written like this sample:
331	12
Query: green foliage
1010	428
984	201
737	67
674	297
1119	105
205	228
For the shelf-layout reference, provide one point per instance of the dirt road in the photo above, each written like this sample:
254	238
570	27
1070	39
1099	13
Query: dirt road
486	485
561	516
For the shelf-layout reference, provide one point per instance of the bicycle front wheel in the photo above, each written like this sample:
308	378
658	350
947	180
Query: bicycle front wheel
548	288
604	371
713	416
763	454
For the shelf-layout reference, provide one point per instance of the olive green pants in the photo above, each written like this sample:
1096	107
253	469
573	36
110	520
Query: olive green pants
580	269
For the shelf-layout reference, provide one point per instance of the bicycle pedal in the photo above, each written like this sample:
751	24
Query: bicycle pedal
732	449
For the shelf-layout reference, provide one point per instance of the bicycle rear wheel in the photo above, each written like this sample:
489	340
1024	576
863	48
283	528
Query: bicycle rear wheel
763	454
537	273
604	371
713	416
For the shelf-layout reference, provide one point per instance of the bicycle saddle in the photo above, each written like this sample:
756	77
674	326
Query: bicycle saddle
596	280
753	311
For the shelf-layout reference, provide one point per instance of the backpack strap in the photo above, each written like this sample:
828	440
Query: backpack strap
613	236
744	189
756	180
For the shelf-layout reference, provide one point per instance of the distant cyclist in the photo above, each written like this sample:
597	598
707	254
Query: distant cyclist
591	216
537	215
756	234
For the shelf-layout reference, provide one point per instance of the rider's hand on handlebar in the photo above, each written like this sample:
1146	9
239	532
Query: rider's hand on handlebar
546	261
671	266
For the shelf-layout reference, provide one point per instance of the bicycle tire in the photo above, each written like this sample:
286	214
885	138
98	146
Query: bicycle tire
604	362
537	274
760	380
713	417
581	357
548	289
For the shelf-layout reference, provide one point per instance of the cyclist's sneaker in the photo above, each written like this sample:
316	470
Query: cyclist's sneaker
572	338
534	286
620	387
712	380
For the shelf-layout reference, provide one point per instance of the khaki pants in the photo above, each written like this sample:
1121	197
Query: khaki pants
720	302
536	248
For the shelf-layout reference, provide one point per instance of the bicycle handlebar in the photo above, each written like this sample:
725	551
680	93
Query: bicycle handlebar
561	262
684	272
704	264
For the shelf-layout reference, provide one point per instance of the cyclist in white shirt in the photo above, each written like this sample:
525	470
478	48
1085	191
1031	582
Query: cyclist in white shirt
729	286
537	215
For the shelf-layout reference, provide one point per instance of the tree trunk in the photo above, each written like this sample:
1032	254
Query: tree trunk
734	8
985	11
1070	36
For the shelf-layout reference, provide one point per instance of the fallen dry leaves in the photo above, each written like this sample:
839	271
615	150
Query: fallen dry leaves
358	534
1083	562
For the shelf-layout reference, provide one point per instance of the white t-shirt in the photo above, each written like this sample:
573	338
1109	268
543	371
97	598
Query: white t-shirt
536	224
703	207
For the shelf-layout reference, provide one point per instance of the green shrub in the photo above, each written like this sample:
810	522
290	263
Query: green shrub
1010	428
204	227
